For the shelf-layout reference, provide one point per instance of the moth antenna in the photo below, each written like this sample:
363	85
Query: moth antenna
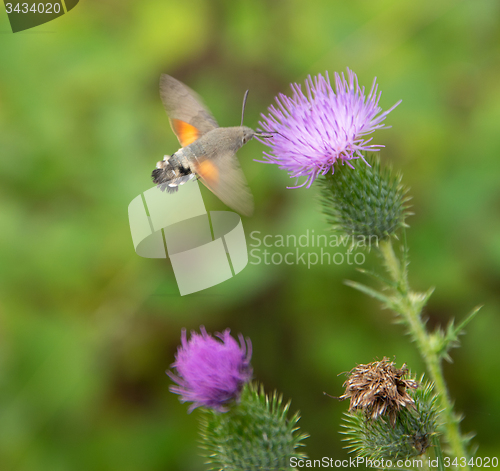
244	104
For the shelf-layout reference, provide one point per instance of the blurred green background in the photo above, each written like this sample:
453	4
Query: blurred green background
87	327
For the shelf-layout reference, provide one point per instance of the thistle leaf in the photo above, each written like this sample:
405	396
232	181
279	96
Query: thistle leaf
388	302
445	341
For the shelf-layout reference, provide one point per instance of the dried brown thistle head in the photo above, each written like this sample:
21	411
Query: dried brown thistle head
379	389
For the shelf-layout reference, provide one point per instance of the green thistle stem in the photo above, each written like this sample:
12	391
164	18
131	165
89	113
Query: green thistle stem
409	305
392	263
439	453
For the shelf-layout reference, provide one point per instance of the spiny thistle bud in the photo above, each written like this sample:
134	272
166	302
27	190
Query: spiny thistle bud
364	200
253	435
411	407
379	389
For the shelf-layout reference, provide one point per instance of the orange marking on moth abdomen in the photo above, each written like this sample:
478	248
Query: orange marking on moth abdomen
185	132
208	172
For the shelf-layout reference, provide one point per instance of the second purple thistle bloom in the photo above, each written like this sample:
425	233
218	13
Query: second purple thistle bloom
323	126
211	372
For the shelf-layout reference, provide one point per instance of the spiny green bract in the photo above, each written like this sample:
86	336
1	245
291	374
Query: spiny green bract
253	435
364	201
411	435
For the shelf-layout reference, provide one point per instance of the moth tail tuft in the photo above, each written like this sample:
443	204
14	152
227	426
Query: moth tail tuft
170	189
159	175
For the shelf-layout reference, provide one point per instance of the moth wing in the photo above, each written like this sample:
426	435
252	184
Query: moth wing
189	117
223	176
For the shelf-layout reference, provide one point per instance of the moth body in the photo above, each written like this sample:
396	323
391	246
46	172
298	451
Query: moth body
207	150
172	171
182	166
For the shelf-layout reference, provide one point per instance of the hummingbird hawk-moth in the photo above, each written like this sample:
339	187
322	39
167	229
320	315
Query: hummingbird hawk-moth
207	152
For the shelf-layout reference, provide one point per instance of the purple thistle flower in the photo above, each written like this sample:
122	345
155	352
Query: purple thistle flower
211	373
313	132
